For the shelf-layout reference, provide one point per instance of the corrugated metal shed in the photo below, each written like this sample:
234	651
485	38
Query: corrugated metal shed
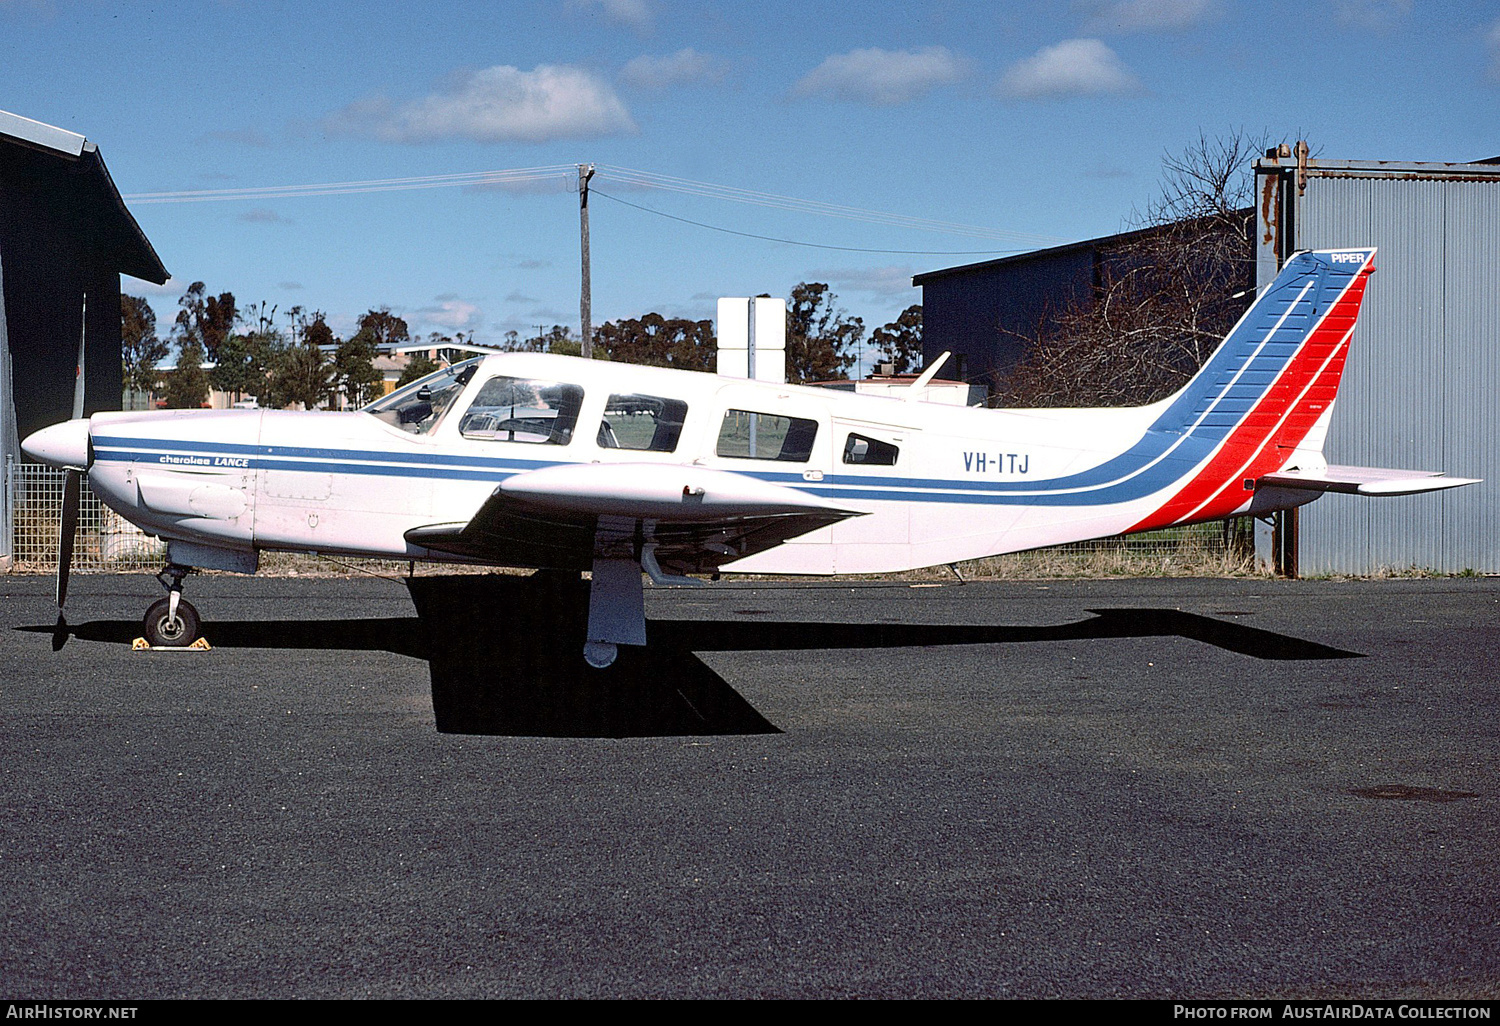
1422	386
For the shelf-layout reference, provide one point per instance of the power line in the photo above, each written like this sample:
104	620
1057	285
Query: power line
811	245
629	176
471	179
650	179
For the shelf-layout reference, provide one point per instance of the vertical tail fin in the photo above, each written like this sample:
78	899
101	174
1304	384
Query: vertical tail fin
1268	390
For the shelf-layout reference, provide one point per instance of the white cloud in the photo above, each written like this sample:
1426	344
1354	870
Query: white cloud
1492	43
1074	67
883	77
1375	15
635	13
499	104
452	313
882	281
685	67
343	325
1144	15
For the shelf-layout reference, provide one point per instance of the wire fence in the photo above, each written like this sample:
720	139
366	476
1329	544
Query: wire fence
105	541
108	542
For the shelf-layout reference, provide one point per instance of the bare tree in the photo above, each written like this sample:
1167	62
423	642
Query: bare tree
1162	296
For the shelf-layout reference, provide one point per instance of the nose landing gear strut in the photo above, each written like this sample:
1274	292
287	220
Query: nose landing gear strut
172	622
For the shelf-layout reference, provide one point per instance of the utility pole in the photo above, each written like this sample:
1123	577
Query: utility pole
585	172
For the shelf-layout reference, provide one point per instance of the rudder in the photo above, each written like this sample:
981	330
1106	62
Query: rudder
1268	387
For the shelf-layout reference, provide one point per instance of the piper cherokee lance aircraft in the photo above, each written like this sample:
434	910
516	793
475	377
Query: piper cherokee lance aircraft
532	460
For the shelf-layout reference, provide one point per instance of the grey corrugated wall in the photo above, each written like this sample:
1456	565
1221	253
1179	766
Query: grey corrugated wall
1422	386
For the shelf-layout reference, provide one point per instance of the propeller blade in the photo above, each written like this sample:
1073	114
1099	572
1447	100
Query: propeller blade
83	335
68	528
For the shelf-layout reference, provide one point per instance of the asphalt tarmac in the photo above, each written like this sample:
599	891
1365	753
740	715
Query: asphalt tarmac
1168	789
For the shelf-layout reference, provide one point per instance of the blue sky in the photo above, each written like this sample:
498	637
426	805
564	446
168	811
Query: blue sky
1015	125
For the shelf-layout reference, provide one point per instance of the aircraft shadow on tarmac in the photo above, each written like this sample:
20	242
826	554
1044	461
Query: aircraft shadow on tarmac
506	654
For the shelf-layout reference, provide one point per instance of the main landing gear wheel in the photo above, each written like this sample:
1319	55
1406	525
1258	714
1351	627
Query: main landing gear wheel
164	630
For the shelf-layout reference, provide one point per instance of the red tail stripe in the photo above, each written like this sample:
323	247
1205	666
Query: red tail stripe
1258	440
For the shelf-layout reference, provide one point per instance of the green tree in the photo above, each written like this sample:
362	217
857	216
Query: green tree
208	319
354	370
246	360
657	341
187	386
302	373
219	319
188	325
240	369
420	366
316	332
354	361
821	338
383	328
557	339
900	342
140	349
240	360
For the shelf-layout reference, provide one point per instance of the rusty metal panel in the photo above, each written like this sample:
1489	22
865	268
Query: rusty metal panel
1419	390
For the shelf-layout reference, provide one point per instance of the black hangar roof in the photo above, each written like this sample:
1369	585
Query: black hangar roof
63	172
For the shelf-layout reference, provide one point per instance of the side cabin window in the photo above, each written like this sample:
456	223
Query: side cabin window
523	410
419	406
869	452
646	423
765	436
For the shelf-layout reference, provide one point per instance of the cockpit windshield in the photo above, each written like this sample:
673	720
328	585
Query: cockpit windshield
419	406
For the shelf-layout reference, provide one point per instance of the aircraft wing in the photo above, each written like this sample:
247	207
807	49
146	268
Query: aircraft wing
1365	480
697	518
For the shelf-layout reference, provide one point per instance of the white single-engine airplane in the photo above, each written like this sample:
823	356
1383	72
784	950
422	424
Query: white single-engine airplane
531	460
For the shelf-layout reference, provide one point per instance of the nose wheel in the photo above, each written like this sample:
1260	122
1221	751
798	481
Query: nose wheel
172	622
166	628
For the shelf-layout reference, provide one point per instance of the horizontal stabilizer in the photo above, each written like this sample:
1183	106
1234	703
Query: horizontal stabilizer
1364	480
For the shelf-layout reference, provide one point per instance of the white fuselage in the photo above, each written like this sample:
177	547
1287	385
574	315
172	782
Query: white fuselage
950	486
